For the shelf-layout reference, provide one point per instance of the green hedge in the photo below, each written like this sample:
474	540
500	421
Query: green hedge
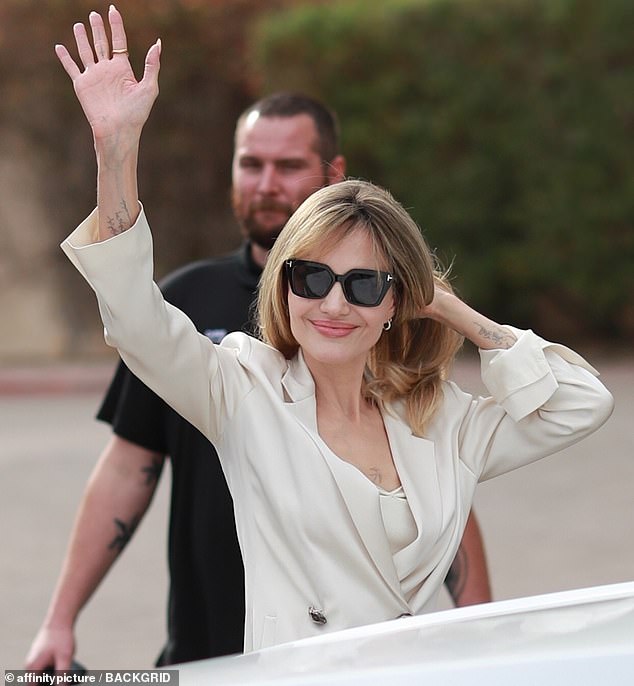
505	126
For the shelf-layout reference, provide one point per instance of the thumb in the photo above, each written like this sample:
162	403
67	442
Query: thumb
152	64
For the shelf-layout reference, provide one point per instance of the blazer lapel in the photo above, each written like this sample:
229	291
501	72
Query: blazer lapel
416	465
362	501
361	497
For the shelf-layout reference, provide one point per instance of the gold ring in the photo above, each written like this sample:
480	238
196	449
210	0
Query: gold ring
121	51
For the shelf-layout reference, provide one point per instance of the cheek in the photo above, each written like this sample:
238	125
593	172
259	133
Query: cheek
294	311
382	314
387	308
300	189
243	187
377	324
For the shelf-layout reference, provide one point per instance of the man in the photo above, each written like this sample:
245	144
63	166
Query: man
286	147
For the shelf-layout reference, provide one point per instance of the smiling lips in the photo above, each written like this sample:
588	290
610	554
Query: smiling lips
332	329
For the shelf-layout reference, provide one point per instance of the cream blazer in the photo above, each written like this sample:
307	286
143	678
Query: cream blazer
315	550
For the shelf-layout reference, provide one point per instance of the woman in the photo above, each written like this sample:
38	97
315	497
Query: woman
351	460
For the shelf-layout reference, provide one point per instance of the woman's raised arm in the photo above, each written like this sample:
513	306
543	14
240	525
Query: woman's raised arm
483	332
116	106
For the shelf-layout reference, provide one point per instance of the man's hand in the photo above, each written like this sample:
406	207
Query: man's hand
114	102
52	647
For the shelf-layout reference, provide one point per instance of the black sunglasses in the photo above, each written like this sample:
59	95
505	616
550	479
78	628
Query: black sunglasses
364	287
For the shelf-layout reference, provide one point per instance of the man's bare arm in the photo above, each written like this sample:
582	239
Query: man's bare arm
116	497
468	578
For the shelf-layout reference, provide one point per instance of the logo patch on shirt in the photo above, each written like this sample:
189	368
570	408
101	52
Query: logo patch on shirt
216	335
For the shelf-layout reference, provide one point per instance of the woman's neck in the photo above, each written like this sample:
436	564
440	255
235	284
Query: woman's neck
338	387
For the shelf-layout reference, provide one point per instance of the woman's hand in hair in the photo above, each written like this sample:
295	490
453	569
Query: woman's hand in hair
483	332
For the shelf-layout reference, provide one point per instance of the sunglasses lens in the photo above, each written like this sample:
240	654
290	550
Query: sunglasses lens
364	288
310	280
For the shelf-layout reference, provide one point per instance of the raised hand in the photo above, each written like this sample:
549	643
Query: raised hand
117	107
115	103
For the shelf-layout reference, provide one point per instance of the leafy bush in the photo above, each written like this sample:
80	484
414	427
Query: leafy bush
505	126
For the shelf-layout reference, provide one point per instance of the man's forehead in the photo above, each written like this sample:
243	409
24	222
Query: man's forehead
295	134
251	119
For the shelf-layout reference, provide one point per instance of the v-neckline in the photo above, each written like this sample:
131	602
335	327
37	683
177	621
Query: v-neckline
366	478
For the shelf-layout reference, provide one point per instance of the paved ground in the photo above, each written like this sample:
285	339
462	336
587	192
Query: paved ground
566	522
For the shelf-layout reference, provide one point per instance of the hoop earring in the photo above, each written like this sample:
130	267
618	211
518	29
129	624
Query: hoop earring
388	325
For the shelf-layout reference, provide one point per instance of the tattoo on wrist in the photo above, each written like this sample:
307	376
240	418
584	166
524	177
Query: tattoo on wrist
124	533
120	222
499	336
152	471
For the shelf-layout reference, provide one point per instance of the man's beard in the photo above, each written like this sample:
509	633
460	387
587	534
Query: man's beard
264	236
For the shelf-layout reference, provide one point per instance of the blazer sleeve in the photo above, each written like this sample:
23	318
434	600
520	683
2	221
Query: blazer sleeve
201	381
544	398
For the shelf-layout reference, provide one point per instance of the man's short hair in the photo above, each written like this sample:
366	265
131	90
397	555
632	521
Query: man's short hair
287	104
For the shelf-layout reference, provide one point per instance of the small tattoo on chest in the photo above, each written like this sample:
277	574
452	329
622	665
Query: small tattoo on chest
374	474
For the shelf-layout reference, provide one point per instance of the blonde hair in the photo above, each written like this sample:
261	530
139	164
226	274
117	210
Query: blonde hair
410	361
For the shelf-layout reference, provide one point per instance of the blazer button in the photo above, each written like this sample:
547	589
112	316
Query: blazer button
317	615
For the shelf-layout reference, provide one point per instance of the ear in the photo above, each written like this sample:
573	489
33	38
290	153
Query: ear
336	169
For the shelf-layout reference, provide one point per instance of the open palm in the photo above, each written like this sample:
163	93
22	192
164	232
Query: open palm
113	101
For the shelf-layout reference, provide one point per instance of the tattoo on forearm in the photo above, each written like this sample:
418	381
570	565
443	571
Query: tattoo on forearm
457	577
152	471
121	221
124	533
499	336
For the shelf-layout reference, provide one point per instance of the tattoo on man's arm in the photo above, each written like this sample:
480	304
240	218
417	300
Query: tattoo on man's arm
124	533
499	336
457	577
121	221
152	471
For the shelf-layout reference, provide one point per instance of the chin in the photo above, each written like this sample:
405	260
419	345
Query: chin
335	354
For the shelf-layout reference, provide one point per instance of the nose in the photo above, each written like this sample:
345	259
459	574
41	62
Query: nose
335	302
268	182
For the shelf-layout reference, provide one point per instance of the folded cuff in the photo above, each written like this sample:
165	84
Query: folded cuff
520	378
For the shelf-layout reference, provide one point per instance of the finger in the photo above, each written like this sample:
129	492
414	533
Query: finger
119	40
83	45
63	661
41	659
99	38
38	663
67	62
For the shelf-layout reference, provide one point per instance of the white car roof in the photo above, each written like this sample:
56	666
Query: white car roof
581	637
